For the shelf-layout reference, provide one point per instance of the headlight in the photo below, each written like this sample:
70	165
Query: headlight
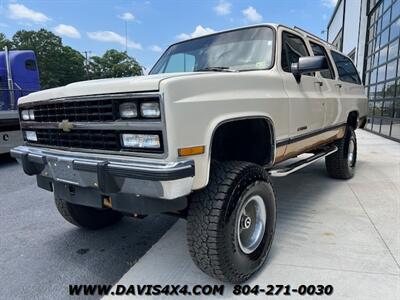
150	110
31	114
25	114
150	141
31	136
128	110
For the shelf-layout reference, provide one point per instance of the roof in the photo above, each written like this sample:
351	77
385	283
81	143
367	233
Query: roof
274	25
314	37
229	30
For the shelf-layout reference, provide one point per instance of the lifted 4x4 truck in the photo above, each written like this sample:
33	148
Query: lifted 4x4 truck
200	137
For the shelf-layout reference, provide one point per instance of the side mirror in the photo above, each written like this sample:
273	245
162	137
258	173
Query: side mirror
308	64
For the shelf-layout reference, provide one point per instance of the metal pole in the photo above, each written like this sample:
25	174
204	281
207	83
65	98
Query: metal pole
126	37
87	63
9	79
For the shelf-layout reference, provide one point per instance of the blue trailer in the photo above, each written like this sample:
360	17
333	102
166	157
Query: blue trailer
19	76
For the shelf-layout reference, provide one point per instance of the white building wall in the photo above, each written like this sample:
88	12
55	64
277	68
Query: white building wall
362	37
351	25
354	29
336	24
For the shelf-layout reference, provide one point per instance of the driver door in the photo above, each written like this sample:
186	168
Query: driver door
306	99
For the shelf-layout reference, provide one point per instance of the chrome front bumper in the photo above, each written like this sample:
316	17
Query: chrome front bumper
108	174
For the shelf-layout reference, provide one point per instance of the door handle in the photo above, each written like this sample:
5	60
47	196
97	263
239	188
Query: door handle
338	85
302	128
319	83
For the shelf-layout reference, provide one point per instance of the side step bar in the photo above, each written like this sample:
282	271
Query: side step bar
286	170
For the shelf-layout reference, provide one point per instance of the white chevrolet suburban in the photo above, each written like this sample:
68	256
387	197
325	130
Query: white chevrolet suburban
199	137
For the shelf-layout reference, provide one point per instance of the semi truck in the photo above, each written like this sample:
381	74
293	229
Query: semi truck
19	76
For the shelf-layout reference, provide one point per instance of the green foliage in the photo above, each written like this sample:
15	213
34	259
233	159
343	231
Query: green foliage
113	64
390	89
4	42
60	65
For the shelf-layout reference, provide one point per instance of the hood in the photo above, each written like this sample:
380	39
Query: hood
104	86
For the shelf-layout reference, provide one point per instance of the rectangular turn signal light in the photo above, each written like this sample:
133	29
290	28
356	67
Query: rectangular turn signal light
191	151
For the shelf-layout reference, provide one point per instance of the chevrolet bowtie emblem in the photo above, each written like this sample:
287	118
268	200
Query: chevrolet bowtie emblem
65	125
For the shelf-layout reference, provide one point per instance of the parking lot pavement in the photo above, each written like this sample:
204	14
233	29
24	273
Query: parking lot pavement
342	233
41	254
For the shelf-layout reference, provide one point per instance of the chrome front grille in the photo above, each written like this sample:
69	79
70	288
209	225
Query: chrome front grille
92	123
85	139
76	111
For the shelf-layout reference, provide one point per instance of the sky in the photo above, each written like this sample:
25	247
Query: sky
152	25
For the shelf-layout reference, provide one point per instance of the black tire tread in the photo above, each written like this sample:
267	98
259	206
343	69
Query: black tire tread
336	163
86	217
204	215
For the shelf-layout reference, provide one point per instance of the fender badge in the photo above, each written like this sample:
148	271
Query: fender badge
65	125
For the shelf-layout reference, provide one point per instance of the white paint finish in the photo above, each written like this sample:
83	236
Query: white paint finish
351	99
328	232
103	86
331	96
306	107
332	102
196	103
195	106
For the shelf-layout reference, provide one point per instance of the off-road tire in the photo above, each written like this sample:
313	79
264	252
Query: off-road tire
337	164
87	217
212	221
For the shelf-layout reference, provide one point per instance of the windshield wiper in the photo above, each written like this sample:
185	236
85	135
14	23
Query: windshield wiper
217	69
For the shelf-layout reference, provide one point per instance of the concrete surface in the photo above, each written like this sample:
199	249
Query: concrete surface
343	233
41	254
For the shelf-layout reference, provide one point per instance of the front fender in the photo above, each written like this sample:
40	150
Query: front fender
196	105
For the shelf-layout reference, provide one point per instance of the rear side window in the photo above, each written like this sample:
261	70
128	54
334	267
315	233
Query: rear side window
347	71
30	64
318	50
293	47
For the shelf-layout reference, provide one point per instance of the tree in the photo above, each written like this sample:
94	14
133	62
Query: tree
114	64
4	42
58	65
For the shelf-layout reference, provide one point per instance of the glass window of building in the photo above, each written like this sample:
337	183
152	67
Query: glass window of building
382	68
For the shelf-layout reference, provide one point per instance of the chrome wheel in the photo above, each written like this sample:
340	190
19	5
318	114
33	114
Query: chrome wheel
251	224
350	153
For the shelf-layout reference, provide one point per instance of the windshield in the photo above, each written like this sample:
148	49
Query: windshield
239	50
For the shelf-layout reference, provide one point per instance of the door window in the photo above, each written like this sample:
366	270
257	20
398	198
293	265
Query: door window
293	47
347	71
30	64
318	50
